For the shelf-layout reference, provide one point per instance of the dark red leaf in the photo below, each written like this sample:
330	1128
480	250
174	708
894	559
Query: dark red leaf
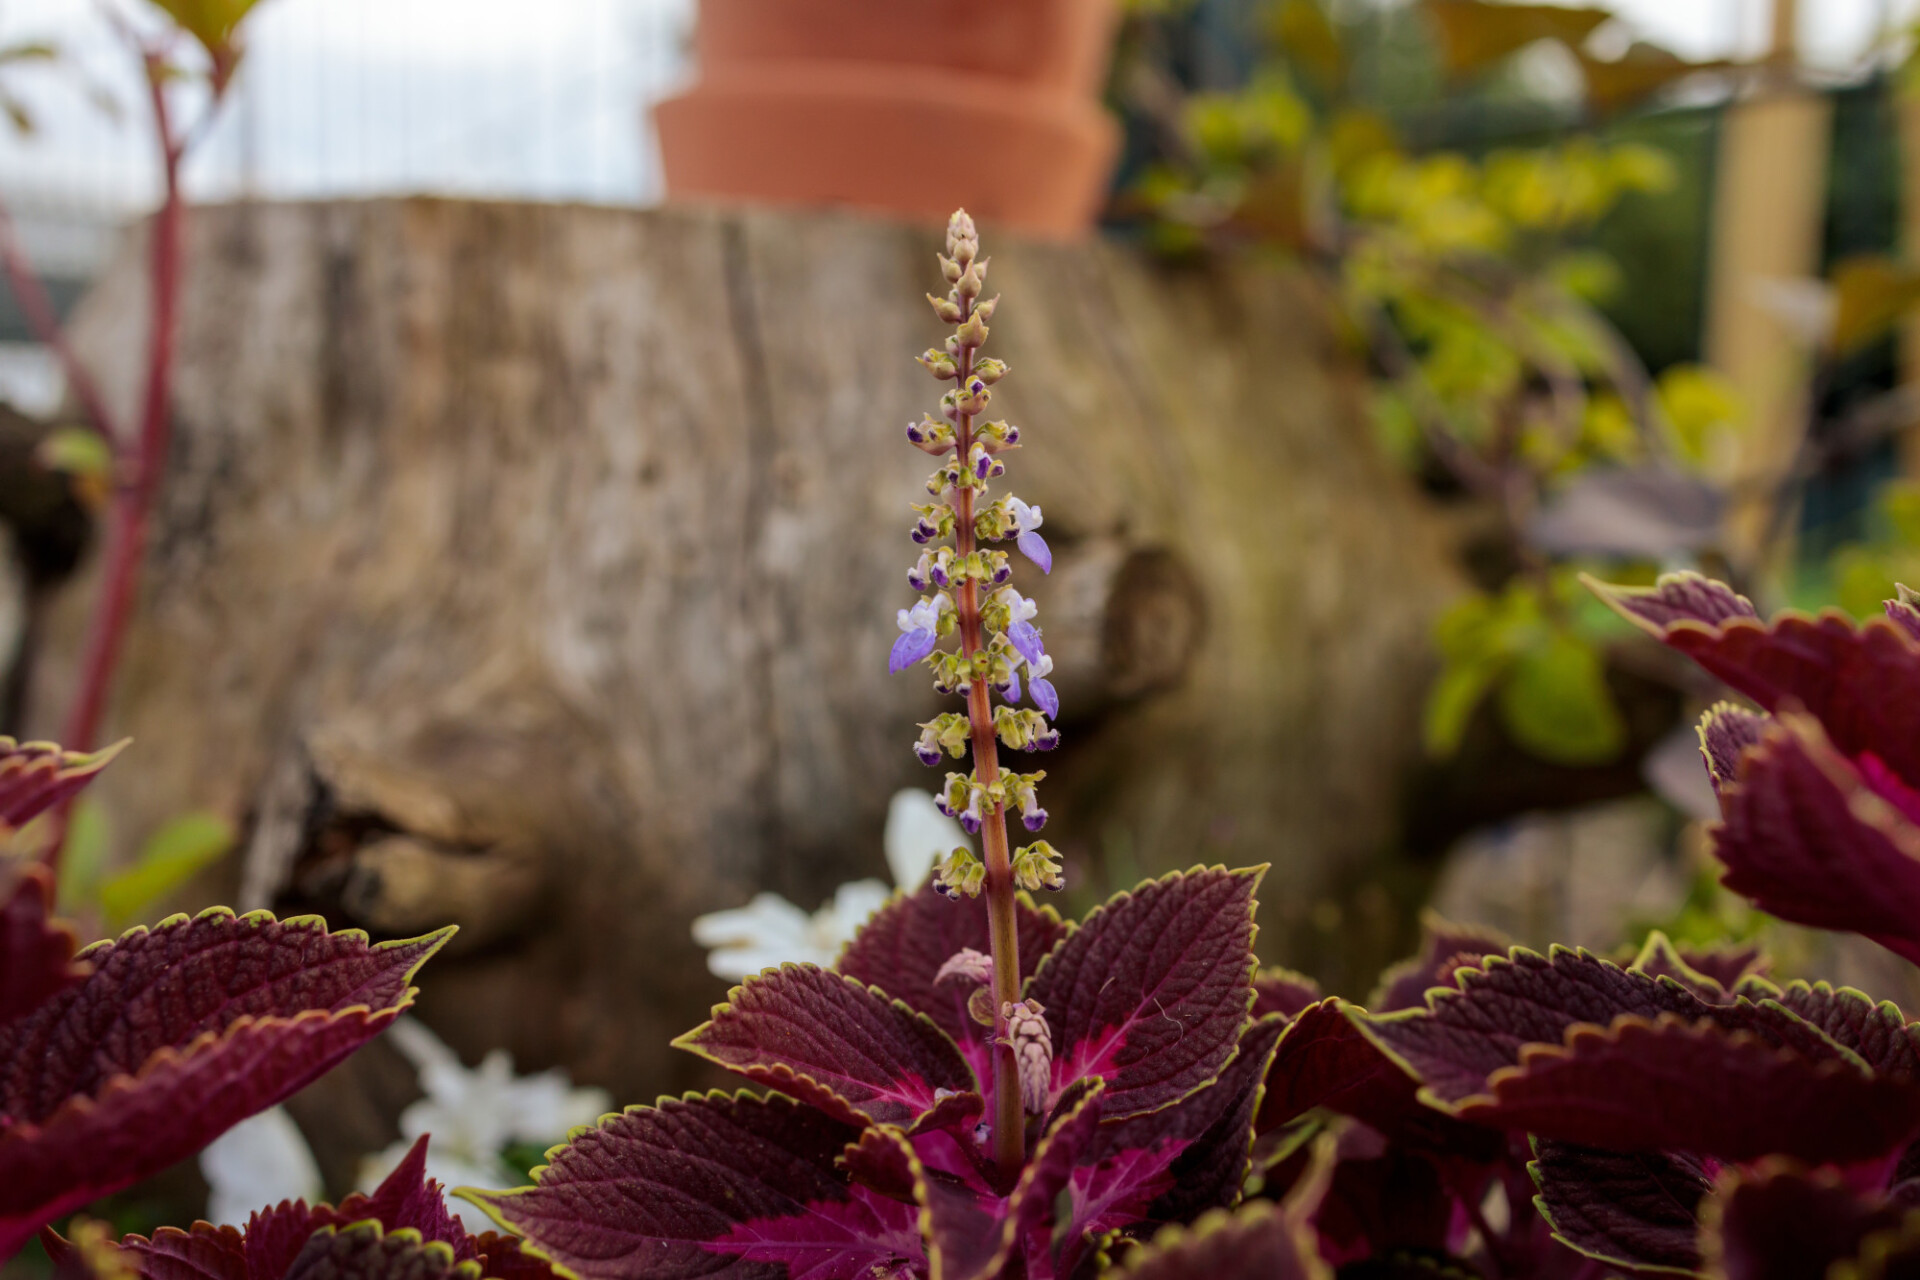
1634	1209
1261	1242
176	1035
1670	1085
712	1186
1782	1223
1282	991
1324	1060
1879	1033
1807	838
35	776
1384	1200
833	1042
1527	999
1728	732
206	1252
1857	682
1728	964
1444	947
364	1252
502	1258
36	958
1659	958
900	950
1151	992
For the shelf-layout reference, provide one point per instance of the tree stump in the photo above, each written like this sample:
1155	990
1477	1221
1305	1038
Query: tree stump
535	567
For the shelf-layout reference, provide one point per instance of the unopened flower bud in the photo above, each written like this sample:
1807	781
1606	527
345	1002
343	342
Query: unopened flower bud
946	308
939	364
972	333
967	964
1037	867
983	310
990	370
971	281
961	873
949	268
1032	1043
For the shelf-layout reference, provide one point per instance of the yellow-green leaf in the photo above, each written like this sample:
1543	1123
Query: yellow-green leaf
1871	294
1474	35
1556	704
173	855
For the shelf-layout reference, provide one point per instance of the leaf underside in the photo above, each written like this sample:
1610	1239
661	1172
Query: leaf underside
1637	1209
1261	1242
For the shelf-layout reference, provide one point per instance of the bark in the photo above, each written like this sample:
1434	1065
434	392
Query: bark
547	557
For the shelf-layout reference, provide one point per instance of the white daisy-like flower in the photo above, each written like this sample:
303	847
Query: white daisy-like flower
770	930
260	1161
473	1114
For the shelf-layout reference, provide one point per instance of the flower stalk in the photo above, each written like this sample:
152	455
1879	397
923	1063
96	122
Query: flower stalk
997	639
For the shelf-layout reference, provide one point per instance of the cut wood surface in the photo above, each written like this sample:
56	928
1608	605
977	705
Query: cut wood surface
547	557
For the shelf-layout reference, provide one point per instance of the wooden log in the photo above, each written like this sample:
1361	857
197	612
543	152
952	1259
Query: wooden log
548	557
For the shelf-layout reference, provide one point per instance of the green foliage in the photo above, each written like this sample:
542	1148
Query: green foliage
1539	661
179	850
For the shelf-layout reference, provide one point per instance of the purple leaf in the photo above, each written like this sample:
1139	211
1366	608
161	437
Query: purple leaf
1726	964
1782	1223
1524	999
1034	548
1261	1242
1659	958
1670	1085
834	1043
1727	733
1857	682
36	958
1635	1210
364	1252
1807	837
1879	1033
713	1186
35	776
902	948
1151	992
206	1252
1444	947
1045	697
910	648
1282	991
176	1035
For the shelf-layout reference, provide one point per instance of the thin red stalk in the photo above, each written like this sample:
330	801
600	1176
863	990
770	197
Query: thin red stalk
45	323
138	476
1009	1114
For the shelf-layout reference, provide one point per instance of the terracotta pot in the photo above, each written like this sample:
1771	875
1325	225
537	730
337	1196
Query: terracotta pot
866	103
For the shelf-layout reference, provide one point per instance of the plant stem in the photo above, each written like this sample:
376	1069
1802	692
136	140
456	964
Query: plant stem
41	317
1009	1116
138	463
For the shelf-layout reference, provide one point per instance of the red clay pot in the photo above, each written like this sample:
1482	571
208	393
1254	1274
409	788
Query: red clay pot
876	105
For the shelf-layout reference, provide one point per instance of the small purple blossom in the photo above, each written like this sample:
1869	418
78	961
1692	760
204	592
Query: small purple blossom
1010	691
1045	740
1025	638
928	753
1002	572
919	632
1031	544
1034	818
1044	696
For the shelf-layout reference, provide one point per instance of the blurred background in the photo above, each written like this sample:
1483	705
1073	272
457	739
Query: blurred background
528	533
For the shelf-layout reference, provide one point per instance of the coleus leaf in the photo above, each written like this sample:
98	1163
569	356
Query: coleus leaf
1857	682
835	1043
1726	965
1575	1048
1148	1170
1659	958
364	1252
1809	837
714	1186
36	957
35	776
1444	947
1780	1222
175	1035
1151	992
1634	1209
901	949
1282	991
1263	1241
275	1237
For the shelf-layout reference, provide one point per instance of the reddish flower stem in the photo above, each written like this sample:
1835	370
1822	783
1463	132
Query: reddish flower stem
41	317
140	461
1009	1115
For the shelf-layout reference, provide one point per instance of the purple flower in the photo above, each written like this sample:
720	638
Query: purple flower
1034	818
1031	544
1045	698
1046	740
1025	638
1010	691
919	631
927	752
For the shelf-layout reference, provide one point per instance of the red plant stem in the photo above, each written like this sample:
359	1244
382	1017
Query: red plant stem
1009	1115
45	323
139	467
